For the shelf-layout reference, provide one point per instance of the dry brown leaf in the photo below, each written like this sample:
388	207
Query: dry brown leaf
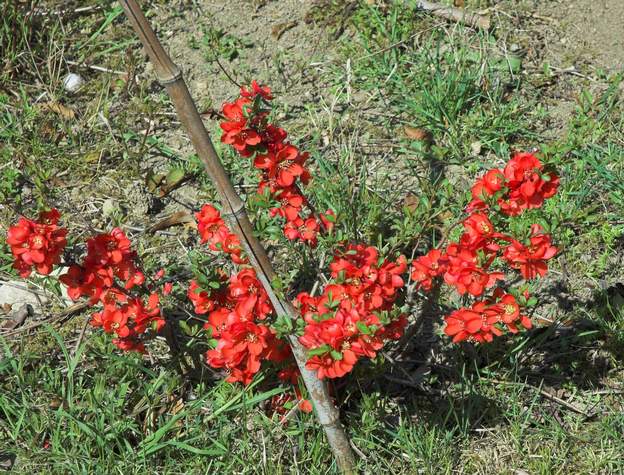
422	135
180	217
59	109
411	202
18	317
281	28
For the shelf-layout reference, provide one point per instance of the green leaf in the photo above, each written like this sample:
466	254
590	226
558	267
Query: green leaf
363	328
321	350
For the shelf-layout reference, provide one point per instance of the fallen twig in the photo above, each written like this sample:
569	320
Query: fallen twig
101	69
53	318
547	395
459	15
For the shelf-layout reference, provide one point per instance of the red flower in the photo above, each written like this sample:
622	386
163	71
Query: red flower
479	231
526	183
507	311
490	183
256	90
471	324
531	260
428	267
37	244
464	273
328	367
236	131
215	233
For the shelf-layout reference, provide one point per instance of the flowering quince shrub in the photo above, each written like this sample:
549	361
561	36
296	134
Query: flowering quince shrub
467	265
357	310
108	276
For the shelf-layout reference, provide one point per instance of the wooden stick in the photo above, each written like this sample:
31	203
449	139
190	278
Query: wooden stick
234	212
459	15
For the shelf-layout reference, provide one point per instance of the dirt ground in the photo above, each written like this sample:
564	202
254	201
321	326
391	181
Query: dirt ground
591	34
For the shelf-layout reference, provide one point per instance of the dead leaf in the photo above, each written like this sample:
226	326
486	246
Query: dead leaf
422	135
153	180
174	177
281	28
411	202
16	317
7	460
177	407
180	217
59	109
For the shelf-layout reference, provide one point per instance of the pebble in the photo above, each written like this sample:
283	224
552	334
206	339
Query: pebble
73	82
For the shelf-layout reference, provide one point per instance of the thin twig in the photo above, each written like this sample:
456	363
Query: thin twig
101	69
80	337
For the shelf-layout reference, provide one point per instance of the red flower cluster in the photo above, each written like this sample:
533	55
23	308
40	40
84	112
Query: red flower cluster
465	264
523	184
235	311
109	256
37	244
483	320
350	319
282	164
214	232
106	275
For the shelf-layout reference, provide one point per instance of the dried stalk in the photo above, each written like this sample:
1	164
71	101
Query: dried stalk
170	76
459	15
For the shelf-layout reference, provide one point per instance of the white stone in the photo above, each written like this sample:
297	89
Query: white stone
16	292
73	82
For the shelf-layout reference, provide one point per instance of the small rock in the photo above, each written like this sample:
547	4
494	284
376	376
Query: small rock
16	292
475	147
109	207
73	82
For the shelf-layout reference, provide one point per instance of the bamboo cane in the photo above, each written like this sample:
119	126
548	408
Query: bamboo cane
170	76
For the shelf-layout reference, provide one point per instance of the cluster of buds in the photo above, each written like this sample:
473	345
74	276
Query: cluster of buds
247	129
465	264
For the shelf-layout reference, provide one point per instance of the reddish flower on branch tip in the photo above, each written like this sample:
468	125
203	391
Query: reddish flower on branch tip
471	324
465	274
481	322
490	183
214	232
531	260
507	311
37	244
428	267
256	90
328	367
